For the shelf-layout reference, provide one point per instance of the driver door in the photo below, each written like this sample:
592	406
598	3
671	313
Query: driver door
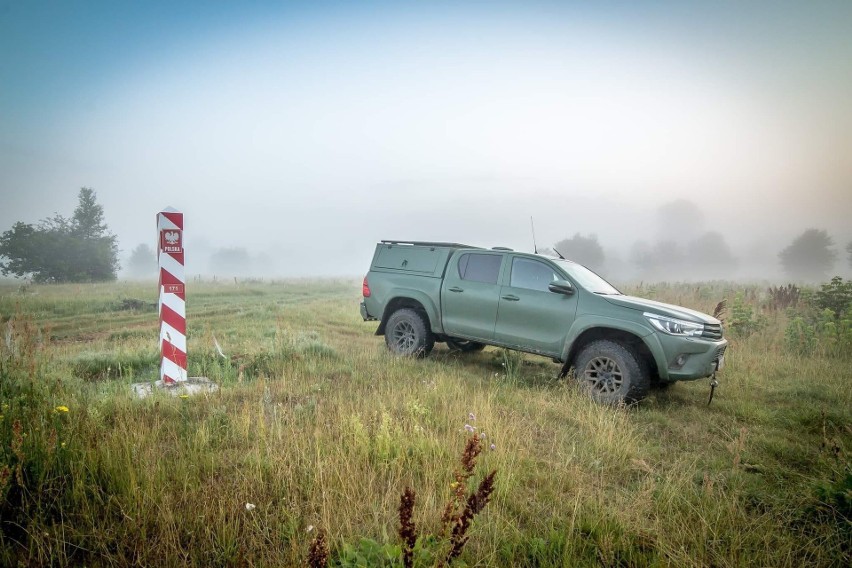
529	316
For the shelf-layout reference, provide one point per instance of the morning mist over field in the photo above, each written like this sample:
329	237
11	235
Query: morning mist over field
303	133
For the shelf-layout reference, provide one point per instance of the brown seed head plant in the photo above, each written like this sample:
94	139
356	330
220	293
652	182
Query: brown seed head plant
407	528
783	297
318	551
460	510
476	502
721	310
468	464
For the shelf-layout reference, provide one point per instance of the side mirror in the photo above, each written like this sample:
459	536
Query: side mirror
561	287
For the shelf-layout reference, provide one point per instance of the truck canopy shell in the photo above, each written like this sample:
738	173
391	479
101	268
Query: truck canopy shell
414	257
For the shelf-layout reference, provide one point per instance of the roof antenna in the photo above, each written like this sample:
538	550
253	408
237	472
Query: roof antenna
532	226
559	253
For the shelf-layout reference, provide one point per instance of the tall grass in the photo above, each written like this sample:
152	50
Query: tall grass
318	428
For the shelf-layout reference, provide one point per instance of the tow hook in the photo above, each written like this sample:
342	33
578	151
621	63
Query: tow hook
713	384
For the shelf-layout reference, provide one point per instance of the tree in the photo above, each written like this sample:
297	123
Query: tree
680	217
710	251
142	262
62	250
810	256
231	261
585	250
88	220
663	254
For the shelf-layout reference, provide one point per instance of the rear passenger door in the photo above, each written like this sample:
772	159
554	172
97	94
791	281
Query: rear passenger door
471	293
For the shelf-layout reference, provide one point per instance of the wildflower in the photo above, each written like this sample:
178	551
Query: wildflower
183	396
250	506
482	436
61	409
471	417
493	446
469	428
310	528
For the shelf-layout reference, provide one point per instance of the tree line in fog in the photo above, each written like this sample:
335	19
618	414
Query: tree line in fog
82	249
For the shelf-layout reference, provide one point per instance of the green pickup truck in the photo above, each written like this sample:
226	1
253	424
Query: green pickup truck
470	297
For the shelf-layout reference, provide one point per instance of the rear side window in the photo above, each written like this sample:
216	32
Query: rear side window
480	267
531	274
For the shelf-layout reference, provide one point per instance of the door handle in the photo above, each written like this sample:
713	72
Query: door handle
456	289
511	298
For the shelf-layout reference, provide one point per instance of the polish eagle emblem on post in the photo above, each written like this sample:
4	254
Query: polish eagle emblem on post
170	240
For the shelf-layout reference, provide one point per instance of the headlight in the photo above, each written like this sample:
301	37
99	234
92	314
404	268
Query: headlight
674	326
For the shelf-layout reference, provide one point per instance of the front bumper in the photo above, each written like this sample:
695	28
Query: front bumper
688	359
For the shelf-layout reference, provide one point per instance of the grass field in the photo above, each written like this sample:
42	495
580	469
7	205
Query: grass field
320	429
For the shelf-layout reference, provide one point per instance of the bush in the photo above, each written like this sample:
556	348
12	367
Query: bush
835	296
743	321
824	325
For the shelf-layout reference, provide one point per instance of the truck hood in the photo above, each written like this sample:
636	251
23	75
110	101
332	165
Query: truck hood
669	310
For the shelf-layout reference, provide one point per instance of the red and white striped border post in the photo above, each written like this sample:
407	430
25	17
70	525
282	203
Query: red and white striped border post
172	302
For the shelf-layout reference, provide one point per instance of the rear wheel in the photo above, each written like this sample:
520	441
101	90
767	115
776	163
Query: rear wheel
406	333
611	373
464	345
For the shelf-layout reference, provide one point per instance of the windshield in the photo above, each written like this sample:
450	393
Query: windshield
586	278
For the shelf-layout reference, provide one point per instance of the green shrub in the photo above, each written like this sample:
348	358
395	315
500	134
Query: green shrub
822	324
824	334
835	296
743	321
801	337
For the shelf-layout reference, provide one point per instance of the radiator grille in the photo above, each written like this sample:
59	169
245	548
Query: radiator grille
712	331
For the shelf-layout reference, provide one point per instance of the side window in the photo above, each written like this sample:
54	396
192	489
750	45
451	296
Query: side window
531	274
480	267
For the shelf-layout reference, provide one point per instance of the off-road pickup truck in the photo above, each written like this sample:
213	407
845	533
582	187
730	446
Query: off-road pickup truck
470	297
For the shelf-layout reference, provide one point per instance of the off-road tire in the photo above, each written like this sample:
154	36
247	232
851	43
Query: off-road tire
611	373
407	333
464	345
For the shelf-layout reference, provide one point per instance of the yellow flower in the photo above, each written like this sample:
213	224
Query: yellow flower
183	396
61	409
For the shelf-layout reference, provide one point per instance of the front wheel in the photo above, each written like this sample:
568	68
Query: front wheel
406	333
611	373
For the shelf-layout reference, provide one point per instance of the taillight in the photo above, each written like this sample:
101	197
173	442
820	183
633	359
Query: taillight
365	289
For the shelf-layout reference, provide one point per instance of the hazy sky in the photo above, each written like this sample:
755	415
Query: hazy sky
308	131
